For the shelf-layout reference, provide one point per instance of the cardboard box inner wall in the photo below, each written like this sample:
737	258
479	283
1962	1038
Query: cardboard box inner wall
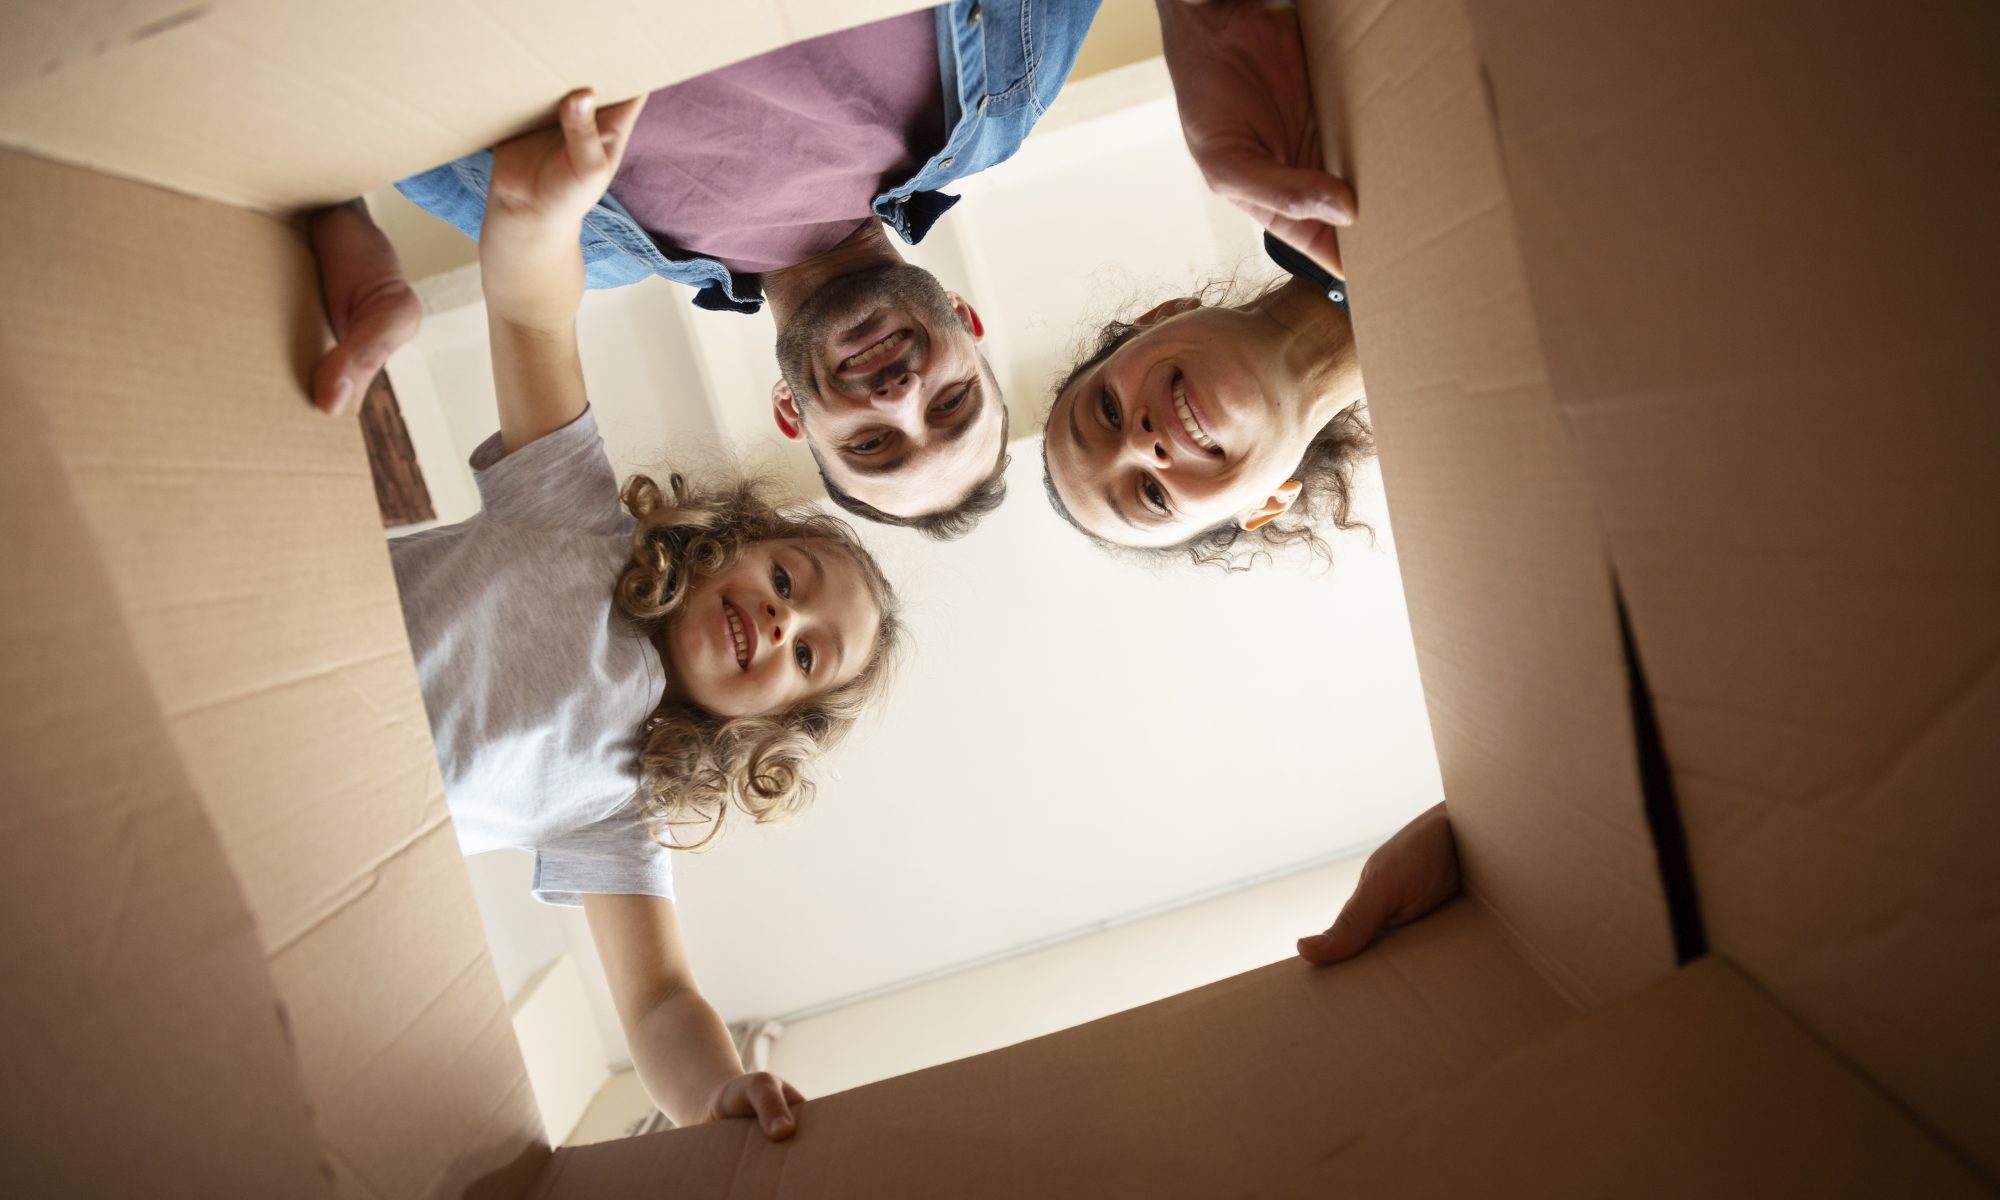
1601	284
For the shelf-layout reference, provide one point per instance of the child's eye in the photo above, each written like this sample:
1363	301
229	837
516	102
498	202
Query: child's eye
781	579
804	654
1156	498
1108	407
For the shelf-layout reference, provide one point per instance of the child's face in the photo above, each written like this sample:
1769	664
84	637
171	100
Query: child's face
787	621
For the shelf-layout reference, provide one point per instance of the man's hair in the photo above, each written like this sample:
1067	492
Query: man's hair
946	524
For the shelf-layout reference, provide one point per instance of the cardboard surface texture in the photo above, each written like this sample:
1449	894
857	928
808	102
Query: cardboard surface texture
1699	1086
1683	303
291	106
137	1008
1169	1100
159	342
1765	289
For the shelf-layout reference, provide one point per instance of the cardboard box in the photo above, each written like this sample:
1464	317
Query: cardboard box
1669	310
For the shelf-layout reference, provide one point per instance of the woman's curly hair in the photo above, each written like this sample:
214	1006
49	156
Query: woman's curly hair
1325	473
693	765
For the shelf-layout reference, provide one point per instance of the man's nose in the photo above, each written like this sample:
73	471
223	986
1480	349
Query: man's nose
895	389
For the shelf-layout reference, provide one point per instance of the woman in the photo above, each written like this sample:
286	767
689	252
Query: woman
1218	427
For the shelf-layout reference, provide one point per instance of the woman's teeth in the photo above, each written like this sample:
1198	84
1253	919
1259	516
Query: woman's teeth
736	632
1186	414
875	353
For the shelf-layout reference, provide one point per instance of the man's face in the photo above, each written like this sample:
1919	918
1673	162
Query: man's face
883	376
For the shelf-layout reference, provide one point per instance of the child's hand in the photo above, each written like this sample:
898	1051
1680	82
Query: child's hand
1407	876
762	1095
552	177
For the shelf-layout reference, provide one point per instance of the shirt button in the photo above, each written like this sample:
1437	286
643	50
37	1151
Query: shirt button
972	17
984	101
947	161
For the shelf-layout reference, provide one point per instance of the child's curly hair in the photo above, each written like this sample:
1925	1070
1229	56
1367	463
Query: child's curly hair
695	765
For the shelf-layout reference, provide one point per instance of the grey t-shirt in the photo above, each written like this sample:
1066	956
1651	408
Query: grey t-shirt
536	686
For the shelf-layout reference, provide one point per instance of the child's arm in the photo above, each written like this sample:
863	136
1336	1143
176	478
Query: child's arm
531	266
680	1047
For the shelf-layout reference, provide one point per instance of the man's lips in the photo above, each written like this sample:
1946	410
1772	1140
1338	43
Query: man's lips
875	355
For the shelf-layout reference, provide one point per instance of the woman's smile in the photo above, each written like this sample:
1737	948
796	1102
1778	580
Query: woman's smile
1190	415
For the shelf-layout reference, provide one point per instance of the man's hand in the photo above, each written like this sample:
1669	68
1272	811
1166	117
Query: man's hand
555	176
370	305
762	1095
1239	72
1408	876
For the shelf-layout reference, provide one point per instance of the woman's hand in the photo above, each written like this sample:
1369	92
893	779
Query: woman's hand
762	1095
553	177
1239	72
1407	876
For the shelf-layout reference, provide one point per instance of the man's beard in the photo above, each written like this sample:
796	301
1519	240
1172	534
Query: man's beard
841	304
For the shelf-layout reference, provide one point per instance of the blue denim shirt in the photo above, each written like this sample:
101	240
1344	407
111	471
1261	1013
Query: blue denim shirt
1001	63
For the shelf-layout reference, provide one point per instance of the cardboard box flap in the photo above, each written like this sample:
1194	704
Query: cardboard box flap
1761	251
163	341
134	1004
1699	1086
1179	1098
288	106
1503	562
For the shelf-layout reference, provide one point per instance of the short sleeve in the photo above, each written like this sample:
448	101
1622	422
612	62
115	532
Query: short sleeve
560	481
613	857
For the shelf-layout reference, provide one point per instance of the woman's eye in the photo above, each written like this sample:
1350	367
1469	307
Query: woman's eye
804	654
1156	497
781	579
1108	407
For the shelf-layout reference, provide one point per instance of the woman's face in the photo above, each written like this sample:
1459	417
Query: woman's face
1184	427
787	621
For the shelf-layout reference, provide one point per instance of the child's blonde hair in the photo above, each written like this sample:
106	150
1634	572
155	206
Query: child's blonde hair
695	765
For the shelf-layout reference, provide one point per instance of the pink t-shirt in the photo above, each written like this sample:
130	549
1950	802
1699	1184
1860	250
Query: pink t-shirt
769	162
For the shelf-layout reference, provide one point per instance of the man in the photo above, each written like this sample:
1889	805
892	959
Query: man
777	179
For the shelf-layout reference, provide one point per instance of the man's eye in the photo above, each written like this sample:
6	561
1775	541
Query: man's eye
949	406
1156	497
781	579
1107	406
804	654
868	447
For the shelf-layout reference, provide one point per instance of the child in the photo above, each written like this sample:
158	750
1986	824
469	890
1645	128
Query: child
702	648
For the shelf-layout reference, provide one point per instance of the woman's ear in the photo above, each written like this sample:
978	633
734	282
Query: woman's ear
1275	505
1167	308
785	410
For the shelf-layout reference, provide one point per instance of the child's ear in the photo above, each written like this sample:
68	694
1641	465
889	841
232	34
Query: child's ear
1275	505
1167	308
968	316
785	410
